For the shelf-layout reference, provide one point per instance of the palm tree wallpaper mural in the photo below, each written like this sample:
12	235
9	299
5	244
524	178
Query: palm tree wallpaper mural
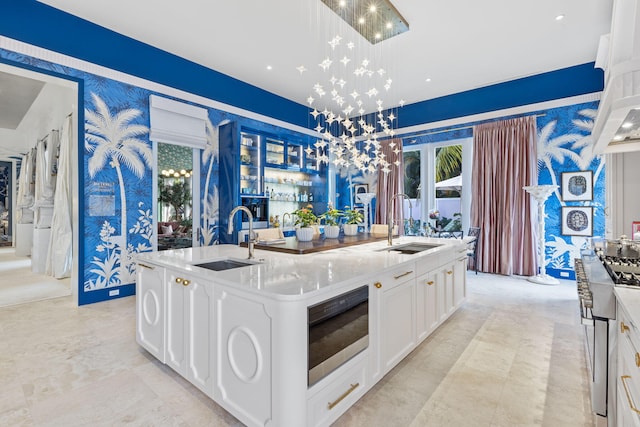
210	210
112	141
564	145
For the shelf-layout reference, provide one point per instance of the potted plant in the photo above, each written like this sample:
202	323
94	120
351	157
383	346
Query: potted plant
331	218
353	218
305	218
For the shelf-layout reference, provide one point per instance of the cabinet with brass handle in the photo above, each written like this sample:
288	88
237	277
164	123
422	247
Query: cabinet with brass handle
628	369
189	305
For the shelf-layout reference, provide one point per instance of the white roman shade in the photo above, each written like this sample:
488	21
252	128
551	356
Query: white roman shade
177	123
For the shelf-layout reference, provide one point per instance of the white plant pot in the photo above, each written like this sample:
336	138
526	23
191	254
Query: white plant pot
304	234
331	231
350	229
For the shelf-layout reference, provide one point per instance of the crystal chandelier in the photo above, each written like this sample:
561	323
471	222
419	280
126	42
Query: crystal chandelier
346	109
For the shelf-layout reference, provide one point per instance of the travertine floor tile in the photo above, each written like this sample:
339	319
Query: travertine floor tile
512	355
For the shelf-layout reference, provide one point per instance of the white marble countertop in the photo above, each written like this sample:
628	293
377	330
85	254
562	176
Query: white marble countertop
629	298
286	276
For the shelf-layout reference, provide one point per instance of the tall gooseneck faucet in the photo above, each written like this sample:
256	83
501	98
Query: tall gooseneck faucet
284	218
252	239
390	216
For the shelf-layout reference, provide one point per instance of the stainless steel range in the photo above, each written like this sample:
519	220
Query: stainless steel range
598	271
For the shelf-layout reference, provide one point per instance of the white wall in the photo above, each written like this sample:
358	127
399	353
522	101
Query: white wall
623	195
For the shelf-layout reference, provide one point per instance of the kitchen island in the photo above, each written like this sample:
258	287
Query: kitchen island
241	335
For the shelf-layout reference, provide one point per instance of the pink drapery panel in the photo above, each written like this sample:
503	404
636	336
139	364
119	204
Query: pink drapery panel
390	183
504	161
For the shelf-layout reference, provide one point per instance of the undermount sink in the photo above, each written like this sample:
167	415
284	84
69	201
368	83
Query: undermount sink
411	248
225	264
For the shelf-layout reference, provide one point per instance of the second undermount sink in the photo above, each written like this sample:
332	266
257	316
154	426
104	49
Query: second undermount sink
412	248
225	264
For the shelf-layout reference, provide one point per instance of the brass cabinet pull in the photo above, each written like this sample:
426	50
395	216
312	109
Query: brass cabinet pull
403	274
449	272
638	360
623	328
377	285
178	280
185	282
333	404
430	282
146	266
626	390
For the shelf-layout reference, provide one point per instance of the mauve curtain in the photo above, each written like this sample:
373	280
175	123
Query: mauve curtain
390	183
504	161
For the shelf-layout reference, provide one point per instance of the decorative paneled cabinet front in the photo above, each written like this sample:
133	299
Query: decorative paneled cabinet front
150	310
244	354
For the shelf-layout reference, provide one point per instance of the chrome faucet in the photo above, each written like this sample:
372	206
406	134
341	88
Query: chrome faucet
252	239
390	216
284	218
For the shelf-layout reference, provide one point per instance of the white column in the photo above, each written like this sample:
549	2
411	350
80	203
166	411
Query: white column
540	193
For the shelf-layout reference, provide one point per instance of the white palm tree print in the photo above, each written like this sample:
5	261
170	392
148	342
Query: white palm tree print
552	148
113	139
210	155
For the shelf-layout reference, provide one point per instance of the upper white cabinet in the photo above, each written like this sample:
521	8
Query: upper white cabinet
619	57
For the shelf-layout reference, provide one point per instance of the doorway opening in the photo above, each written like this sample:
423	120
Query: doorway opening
178	201
437	179
39	112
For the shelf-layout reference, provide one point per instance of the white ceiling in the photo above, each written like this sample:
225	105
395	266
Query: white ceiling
49	100
458	44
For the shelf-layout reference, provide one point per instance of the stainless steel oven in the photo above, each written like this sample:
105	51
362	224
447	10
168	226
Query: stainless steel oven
338	330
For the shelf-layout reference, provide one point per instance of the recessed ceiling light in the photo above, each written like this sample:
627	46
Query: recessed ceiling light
559	17
361	20
378	35
389	25
627	125
269	67
428	79
342	3
372	8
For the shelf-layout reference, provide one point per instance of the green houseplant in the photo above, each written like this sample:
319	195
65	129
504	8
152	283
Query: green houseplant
331	218
305	218
352	217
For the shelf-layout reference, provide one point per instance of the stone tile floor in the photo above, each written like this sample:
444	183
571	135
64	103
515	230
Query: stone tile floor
512	355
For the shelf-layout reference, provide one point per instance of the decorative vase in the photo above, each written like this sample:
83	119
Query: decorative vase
331	231
304	234
350	229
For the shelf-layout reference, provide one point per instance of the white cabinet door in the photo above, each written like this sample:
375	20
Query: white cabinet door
190	322
427	305
397	311
176	356
243	376
459	281
448	283
150	309
200	340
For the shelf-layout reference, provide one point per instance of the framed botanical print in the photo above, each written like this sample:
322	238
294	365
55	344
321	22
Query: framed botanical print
577	186
577	221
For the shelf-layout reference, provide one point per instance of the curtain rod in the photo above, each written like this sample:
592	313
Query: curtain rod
455	129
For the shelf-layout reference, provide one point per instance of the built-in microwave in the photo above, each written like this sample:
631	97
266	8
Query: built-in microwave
338	330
